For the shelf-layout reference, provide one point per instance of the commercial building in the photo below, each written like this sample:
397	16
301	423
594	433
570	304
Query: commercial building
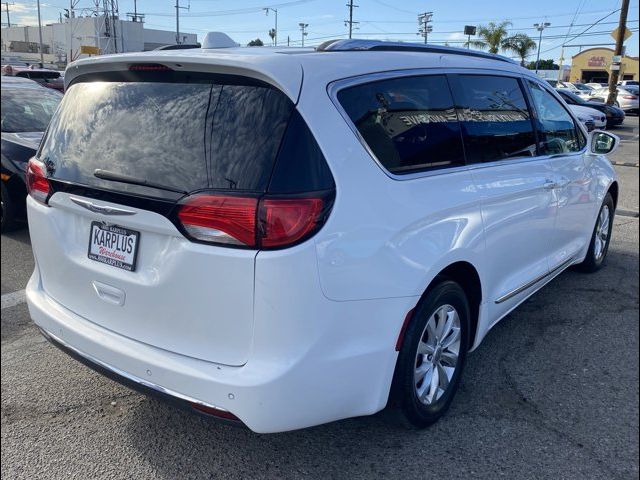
82	36
594	65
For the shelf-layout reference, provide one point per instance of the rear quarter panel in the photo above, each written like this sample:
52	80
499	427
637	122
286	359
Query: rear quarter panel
386	237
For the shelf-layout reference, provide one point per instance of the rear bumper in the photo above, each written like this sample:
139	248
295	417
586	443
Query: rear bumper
333	375
138	384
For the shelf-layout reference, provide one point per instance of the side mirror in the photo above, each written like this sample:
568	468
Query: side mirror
602	143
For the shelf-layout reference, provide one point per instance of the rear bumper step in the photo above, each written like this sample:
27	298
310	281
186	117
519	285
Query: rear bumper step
142	386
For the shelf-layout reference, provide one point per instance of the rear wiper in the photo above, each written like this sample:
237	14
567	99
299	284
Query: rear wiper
118	177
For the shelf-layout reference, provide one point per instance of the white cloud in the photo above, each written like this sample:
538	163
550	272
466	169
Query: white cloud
456	36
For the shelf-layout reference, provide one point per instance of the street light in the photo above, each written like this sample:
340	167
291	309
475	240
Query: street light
540	27
274	10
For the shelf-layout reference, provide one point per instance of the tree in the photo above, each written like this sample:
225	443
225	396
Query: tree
255	43
272	34
491	37
521	44
544	65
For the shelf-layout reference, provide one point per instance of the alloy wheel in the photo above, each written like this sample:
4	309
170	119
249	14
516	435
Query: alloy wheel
602	233
437	355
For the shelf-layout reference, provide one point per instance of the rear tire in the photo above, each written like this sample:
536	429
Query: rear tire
8	208
600	238
432	356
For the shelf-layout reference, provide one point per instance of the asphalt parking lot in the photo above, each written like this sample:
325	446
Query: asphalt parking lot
551	393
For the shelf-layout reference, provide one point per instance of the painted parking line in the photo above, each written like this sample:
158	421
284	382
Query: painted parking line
12	299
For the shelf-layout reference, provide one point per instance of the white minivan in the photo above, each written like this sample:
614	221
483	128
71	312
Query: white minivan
288	237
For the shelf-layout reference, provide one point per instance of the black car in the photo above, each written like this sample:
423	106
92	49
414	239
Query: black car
615	115
27	108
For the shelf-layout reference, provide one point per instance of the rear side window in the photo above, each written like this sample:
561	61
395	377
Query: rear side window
410	123
186	136
556	129
495	119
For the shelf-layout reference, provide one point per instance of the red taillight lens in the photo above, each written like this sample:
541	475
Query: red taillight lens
252	222
285	221
220	219
629	97
37	183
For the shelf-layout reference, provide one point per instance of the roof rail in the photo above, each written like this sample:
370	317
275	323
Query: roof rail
379	45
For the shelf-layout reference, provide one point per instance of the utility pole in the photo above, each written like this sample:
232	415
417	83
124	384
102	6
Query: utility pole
40	34
178	7
540	27
615	68
424	25
303	30
6	4
350	23
275	11
135	16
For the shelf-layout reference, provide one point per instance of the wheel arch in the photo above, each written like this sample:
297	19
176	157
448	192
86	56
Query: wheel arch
466	275
614	190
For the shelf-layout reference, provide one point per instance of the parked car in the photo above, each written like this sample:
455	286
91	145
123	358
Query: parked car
629	83
305	251
581	89
45	77
596	86
26	110
625	99
614	115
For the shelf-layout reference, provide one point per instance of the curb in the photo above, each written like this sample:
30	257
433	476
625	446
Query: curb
625	164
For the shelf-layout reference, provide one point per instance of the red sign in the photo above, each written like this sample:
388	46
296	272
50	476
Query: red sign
597	62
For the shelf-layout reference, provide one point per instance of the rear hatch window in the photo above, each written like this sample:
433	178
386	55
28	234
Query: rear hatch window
186	133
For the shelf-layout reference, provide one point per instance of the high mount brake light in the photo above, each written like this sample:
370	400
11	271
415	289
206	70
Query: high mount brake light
251	222
37	184
149	67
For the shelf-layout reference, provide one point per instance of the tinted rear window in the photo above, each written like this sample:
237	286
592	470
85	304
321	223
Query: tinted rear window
495	118
187	136
410	123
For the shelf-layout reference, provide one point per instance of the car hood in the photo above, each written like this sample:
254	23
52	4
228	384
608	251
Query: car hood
26	139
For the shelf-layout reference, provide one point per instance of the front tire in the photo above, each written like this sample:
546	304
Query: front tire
601	237
432	356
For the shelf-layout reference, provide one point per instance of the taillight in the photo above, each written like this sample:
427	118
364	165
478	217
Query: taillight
629	97
37	183
220	219
246	221
286	221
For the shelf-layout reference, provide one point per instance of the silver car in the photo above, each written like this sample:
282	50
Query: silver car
625	99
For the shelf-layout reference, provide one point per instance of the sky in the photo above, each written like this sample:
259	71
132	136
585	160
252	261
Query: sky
245	20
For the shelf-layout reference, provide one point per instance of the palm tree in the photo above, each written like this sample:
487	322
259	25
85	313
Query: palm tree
521	44
491	37
272	34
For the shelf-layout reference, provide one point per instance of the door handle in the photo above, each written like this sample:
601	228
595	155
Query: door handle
550	185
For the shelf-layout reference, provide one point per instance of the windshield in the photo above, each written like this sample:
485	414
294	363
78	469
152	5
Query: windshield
38	74
583	87
186	136
28	109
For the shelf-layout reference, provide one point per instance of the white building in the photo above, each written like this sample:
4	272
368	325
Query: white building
78	36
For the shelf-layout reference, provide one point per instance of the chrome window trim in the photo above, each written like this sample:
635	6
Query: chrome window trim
336	86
